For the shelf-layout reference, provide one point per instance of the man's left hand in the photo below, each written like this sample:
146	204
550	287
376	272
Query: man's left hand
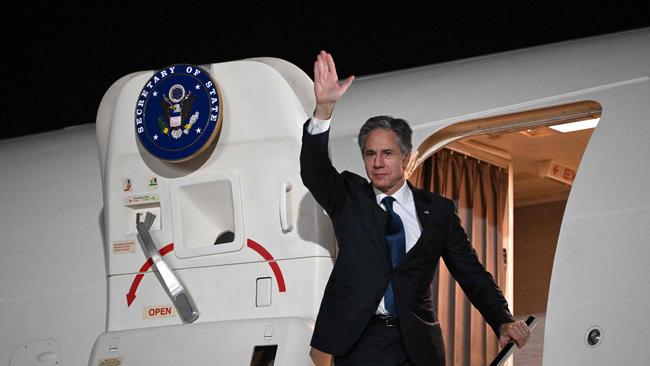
517	332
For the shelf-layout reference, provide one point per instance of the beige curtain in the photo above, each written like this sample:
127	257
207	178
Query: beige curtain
480	191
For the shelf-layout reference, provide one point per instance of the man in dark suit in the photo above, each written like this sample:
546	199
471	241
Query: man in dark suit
377	308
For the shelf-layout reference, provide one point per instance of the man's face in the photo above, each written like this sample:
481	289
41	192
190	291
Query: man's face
384	160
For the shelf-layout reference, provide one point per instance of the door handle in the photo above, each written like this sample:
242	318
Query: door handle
284	220
173	287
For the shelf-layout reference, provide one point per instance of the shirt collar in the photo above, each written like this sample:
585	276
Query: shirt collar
402	196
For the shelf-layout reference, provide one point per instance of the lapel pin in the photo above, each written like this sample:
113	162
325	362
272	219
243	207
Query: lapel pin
426	212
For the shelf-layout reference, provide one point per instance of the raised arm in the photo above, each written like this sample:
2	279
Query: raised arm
327	87
316	169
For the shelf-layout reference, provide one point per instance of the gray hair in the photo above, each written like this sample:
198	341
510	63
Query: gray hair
399	126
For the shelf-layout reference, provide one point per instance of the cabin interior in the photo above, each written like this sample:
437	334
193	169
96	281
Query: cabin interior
536	154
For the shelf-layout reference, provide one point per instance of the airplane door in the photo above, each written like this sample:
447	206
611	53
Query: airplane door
600	286
53	287
233	266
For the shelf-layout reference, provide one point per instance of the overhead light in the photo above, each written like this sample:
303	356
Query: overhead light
538	132
576	126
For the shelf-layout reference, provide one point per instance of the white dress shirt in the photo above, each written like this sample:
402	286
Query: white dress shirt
317	125
404	206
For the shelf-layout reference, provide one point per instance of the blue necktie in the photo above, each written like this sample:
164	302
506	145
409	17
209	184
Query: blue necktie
396	240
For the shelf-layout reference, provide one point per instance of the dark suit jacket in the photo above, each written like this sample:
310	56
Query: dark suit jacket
363	266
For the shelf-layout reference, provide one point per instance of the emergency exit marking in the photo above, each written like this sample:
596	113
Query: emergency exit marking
559	172
158	311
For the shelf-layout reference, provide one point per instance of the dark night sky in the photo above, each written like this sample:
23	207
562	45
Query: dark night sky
59	62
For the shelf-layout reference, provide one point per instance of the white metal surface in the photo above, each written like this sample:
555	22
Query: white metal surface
601	276
53	287
249	185
218	343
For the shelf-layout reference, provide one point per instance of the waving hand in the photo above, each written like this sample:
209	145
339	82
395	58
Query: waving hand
327	88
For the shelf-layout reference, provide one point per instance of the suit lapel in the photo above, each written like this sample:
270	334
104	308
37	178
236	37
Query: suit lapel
424	211
380	217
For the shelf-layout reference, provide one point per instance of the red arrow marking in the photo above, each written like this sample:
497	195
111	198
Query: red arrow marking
556	169
145	267
274	265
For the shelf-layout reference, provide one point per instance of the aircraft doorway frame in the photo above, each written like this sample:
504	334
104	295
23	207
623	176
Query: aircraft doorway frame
451	137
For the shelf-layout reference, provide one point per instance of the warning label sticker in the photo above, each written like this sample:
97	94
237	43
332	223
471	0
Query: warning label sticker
153	182
143	198
123	247
158	311
116	361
